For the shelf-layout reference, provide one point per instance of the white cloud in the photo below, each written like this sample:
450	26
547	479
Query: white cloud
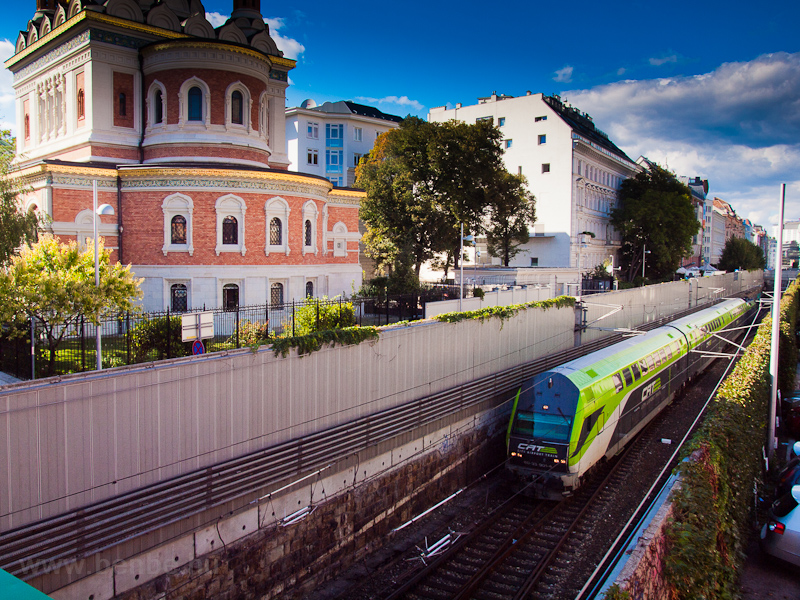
216	19
738	126
290	47
621	71
397	100
274	22
8	116
657	62
564	75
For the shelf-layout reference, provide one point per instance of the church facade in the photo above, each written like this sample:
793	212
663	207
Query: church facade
182	127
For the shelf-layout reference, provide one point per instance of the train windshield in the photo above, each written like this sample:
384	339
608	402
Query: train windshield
553	428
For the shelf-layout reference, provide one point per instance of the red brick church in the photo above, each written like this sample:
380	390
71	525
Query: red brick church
182	126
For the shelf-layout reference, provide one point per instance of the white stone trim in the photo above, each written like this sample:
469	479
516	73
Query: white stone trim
277	208
310	213
222	282
183	100
339	239
151	106
169	282
173	205
236	207
247	107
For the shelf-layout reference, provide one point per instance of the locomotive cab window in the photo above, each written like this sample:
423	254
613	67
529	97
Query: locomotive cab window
552	428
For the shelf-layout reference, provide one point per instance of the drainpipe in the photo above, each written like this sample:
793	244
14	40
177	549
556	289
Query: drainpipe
119	217
142	109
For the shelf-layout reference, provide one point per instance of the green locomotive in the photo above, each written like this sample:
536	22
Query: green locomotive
566	420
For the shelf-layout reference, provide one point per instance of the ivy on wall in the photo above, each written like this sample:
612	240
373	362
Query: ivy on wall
306	344
505	312
709	528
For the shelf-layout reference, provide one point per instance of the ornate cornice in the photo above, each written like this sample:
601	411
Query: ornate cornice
92	17
182	178
219	45
350	197
279	61
45	169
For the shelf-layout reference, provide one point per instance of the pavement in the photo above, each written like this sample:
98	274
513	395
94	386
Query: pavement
764	576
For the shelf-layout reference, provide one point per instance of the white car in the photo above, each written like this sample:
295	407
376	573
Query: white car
780	537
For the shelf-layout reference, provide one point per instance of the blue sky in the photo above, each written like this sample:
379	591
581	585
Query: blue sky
705	88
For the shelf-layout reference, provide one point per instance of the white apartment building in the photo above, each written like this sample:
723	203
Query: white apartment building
572	168
330	139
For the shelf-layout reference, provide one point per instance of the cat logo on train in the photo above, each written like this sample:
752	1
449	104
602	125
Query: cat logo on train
532	448
651	389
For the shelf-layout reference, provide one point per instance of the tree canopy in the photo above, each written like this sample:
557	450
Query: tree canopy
424	180
655	214
740	253
511	209
16	226
54	283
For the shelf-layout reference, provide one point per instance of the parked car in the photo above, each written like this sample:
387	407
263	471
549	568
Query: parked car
780	536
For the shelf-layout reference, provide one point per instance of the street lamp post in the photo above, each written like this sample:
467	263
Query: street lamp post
775	345
103	209
645	252
464	238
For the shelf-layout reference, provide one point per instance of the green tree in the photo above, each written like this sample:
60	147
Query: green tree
17	227
54	283
423	181
740	253
655	214
511	209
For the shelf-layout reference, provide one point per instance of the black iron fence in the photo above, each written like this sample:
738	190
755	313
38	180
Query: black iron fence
135	338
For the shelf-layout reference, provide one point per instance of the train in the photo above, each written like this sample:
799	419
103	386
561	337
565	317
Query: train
566	420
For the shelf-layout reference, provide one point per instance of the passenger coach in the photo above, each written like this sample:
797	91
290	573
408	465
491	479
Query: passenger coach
565	420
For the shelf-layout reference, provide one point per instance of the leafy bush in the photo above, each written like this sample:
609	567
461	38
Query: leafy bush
708	531
478	293
151	336
315	316
250	334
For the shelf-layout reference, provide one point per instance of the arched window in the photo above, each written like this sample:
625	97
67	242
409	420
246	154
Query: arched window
237	113
275	232
179	296
81	104
307	233
230	296
230	230
276	293
178	230
195	104
123	104
309	289
158	108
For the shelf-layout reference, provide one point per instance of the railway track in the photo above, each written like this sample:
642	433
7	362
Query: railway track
511	553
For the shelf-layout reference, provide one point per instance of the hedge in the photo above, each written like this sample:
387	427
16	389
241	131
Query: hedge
711	517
